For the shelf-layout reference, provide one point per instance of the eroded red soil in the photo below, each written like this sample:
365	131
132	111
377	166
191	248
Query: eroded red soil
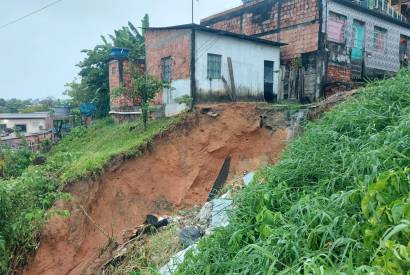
178	172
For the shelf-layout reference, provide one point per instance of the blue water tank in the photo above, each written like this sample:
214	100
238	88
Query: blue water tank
119	53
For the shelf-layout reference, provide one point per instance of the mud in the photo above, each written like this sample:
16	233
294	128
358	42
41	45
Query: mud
177	173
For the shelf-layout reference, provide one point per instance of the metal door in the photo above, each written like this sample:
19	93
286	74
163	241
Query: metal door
268	81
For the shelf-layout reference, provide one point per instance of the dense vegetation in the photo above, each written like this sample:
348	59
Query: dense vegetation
93	86
29	105
14	161
338	202
25	200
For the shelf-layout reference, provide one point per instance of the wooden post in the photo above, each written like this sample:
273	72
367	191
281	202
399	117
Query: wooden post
231	77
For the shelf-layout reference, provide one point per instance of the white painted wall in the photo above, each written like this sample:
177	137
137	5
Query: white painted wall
33	125
179	88
248	65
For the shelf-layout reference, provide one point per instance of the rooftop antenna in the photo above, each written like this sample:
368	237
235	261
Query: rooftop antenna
192	2
192	11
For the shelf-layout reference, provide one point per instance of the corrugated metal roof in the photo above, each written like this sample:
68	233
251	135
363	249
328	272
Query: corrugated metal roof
24	116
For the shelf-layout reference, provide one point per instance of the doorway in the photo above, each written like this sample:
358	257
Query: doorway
167	77
268	81
357	50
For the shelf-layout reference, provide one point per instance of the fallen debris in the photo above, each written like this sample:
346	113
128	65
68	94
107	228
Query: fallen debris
247	179
190	235
220	216
316	110
205	214
221	179
209	111
176	260
156	222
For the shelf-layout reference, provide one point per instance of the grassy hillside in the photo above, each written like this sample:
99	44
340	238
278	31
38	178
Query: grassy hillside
338	202
24	201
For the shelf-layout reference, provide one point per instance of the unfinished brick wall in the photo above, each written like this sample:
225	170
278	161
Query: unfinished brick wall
337	73
174	43
297	23
119	77
164	43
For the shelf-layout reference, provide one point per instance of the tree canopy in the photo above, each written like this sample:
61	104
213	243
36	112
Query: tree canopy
29	105
92	85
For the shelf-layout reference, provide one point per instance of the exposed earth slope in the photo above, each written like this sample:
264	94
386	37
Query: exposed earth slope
178	171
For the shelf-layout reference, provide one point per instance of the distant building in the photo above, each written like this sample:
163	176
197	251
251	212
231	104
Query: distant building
34	127
26	123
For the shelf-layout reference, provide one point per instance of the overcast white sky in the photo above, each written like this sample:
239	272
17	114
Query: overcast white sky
38	54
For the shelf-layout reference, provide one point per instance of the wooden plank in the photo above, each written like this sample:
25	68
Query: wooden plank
227	88
231	77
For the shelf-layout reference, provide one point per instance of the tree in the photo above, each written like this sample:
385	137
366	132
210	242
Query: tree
29	105
143	88
93	86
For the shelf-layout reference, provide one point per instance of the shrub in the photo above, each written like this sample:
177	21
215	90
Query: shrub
337	202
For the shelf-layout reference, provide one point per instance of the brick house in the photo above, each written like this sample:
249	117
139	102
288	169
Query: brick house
211	65
332	44
200	63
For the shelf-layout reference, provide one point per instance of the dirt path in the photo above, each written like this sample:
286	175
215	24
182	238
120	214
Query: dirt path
178	172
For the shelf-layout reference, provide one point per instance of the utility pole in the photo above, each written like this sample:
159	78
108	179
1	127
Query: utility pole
192	11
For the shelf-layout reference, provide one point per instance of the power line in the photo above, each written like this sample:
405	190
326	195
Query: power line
30	14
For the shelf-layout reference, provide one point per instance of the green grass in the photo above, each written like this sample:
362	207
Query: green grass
150	254
86	151
337	202
25	201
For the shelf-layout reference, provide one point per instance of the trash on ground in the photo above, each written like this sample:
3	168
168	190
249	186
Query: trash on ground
247	179
205	214
176	260
220	212
190	235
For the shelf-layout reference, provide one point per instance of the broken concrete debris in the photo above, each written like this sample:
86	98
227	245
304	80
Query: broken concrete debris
204	215
213	214
220	210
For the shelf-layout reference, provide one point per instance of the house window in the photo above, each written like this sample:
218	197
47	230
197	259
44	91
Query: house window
214	66
113	71
21	128
166	68
379	39
336	26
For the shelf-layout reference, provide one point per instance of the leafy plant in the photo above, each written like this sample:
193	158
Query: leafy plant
14	161
25	200
143	88
336	203
92	86
185	99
